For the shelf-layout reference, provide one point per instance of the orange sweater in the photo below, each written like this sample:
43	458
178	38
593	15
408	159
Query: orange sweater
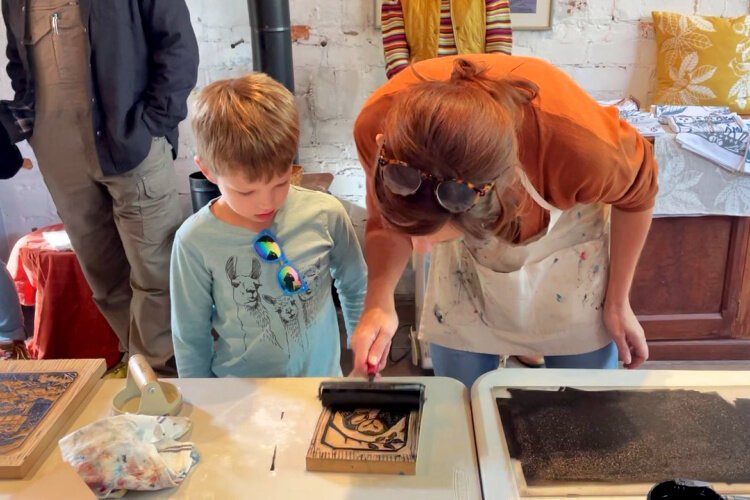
572	149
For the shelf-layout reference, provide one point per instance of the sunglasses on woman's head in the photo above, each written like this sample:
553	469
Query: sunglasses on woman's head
454	195
268	248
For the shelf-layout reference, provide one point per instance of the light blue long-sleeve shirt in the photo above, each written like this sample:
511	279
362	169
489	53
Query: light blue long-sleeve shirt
229	314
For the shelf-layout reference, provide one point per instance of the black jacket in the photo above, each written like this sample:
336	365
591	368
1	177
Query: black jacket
144	63
10	158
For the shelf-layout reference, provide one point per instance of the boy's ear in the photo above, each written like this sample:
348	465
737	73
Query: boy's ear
203	169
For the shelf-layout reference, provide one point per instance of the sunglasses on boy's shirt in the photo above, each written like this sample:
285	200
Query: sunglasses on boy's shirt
269	249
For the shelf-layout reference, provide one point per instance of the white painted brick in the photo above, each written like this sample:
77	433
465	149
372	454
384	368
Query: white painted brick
585	10
621	44
347	54
357	15
634	10
339	93
319	13
614	53
567	32
562	53
329	152
334	131
736	8
567	10
601	10
328	104
629	10
307	125
615	33
307	55
520	50
351	184
684	6
711	7
307	154
598	78
223	15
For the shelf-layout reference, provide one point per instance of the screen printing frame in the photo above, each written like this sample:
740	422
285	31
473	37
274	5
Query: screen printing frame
496	468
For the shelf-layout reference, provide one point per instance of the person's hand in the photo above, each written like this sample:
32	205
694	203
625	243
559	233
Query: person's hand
371	341
627	333
27	164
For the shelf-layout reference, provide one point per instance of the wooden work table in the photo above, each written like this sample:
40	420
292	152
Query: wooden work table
237	425
498	481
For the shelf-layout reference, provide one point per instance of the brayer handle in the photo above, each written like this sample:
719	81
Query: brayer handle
140	371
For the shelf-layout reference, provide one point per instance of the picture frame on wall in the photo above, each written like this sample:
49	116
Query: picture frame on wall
531	14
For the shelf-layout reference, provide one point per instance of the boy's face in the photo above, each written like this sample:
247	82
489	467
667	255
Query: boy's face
257	202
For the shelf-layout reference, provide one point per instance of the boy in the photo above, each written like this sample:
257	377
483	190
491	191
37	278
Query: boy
251	271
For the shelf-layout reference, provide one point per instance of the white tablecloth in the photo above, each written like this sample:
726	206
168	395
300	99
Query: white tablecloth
691	185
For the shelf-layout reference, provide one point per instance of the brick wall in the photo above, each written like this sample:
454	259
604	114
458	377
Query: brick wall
606	45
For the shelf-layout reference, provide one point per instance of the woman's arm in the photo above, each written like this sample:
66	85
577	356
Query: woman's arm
387	254
347	267
629	231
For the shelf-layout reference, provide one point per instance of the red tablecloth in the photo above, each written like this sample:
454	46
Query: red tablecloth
67	323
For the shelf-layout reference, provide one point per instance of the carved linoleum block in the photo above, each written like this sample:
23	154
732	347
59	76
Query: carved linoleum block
380	441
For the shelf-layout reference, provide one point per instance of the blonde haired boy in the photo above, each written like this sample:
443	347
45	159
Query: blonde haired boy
251	272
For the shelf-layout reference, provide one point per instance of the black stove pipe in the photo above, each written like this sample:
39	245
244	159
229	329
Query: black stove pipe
271	40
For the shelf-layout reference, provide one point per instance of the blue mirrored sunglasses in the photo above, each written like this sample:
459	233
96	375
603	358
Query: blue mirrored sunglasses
269	249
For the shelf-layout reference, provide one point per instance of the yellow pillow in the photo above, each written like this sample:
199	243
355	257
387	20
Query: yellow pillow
703	60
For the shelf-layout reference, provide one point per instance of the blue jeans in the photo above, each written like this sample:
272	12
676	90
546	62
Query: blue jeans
11	318
468	366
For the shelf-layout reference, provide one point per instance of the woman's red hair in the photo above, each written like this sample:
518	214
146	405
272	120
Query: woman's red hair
463	128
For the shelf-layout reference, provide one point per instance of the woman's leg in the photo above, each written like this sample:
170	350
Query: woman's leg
606	357
464	366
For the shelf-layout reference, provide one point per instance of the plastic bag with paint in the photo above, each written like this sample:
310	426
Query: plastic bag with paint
130	452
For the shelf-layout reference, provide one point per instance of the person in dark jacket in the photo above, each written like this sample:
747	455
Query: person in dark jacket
100	88
11	160
12	332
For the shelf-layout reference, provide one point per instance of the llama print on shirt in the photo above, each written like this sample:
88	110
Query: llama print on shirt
288	311
309	298
251	313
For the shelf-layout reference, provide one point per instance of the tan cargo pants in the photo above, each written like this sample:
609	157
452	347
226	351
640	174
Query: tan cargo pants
121	227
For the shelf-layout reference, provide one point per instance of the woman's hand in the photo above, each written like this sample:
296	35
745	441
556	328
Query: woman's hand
371	341
627	333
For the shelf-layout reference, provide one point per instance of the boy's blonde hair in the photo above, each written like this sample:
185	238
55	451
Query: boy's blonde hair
249	125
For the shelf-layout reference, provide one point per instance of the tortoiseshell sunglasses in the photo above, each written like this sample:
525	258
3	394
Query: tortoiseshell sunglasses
454	195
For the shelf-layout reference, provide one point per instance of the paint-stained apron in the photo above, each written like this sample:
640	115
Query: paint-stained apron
544	296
